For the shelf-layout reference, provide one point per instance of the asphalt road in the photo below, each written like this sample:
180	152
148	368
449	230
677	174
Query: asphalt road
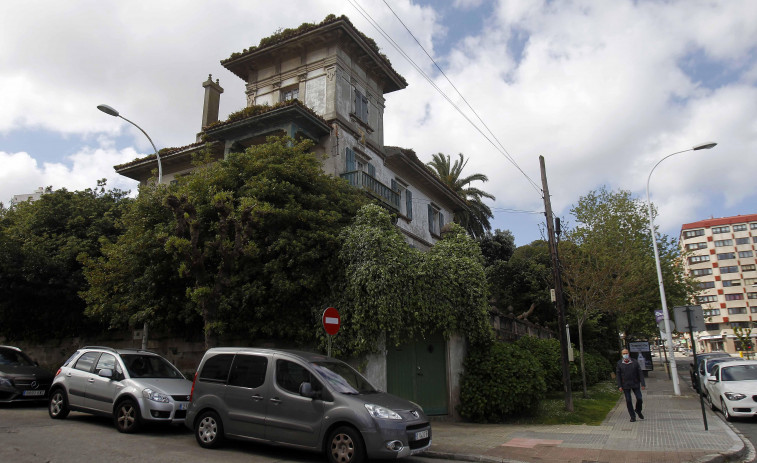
29	435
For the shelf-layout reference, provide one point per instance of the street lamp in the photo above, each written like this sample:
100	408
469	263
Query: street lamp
112	112
666	316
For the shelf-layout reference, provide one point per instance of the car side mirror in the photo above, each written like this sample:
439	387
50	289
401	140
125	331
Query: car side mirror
712	379
306	390
106	373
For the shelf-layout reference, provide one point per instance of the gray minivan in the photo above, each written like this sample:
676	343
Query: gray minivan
302	400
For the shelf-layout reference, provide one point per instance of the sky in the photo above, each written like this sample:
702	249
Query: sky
602	89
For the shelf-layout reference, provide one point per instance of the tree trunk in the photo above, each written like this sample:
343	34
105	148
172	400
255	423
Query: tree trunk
581	353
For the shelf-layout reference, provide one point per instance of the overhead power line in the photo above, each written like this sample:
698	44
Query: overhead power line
498	145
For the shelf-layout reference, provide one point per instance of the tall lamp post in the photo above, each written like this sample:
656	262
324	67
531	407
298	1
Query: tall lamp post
666	316
112	112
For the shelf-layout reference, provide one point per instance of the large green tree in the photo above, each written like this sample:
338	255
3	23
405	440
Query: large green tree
476	220
251	243
40	274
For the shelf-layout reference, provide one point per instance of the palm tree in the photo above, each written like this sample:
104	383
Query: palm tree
476	219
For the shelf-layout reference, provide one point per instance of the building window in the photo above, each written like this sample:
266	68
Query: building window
753	226
711	312
695	246
729	283
361	106
734	297
701	271
435	220
750	281
697	259
737	311
712	326
723	229
747	268
746	254
751	296
693	233
729	269
401	188
726	255
740	227
740	325
704	299
721	243
742	241
754	239
290	93
706	284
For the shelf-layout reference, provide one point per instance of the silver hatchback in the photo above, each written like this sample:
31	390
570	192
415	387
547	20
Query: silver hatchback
131	386
302	400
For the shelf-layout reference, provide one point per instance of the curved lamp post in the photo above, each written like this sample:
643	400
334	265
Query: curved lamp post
112	112
666	317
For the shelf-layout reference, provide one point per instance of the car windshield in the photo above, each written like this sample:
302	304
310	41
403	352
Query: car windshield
712	362
149	366
343	378
15	358
739	373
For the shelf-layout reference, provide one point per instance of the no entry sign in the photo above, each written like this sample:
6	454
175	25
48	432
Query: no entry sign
331	321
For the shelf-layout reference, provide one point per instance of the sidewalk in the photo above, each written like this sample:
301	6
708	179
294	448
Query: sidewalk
672	432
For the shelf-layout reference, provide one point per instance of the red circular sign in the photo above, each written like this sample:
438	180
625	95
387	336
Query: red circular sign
331	321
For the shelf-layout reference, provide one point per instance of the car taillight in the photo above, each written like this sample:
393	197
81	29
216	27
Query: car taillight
192	391
58	372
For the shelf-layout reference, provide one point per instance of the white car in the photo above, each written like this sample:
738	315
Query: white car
733	389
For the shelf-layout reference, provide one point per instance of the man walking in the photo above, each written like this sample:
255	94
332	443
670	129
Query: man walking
630	378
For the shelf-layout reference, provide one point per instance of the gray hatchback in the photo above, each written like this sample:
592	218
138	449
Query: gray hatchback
302	400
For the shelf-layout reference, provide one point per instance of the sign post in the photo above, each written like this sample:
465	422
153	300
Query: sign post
331	323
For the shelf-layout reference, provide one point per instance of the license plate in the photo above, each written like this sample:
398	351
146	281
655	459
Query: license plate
33	393
421	435
183	406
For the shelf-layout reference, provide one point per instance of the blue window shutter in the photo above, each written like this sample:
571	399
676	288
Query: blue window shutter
430	218
441	221
350	167
372	170
409	204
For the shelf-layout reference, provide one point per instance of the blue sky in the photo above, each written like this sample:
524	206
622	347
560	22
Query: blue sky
602	90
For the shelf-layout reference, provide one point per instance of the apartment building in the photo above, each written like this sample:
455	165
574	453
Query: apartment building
720	255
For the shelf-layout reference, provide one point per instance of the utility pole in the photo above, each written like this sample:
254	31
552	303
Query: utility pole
562	327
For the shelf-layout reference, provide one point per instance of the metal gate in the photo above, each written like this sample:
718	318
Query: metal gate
418	371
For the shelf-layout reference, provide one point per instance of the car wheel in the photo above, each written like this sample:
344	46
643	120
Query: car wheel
710	403
209	430
726	413
127	418
345	445
57	407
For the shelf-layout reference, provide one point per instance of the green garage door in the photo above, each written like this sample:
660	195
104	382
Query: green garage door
418	372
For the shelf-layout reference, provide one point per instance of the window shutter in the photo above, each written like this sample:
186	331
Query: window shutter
430	218
350	166
441	221
372	170
394	185
409	204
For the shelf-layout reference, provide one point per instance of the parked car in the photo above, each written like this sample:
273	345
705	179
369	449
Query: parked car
302	400
733	386
694	370
705	369
21	378
131	386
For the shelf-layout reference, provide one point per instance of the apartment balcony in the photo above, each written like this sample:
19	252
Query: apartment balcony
362	179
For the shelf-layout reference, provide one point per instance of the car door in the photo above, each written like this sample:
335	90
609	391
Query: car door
713	387
246	395
101	390
291	418
78	376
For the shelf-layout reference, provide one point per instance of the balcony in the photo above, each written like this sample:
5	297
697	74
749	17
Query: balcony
362	179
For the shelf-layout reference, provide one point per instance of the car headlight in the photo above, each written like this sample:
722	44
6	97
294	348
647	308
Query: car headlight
154	395
5	382
734	395
378	411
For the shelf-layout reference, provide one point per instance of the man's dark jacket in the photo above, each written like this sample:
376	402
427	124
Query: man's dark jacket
629	375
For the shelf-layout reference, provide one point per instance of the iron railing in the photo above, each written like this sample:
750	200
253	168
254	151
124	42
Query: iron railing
362	179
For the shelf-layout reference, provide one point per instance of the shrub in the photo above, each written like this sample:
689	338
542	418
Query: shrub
547	353
500	380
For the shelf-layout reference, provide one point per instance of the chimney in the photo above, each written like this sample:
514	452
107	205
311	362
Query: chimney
212	100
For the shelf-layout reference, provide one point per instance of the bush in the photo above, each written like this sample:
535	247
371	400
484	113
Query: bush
500	380
547	353
598	368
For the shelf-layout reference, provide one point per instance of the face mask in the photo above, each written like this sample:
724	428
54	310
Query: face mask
625	356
